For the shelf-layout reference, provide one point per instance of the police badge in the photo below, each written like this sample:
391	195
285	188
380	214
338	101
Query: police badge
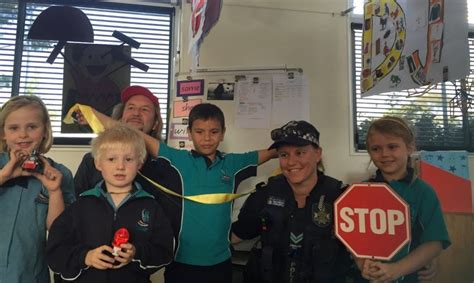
321	213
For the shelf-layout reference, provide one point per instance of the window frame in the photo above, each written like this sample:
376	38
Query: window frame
19	48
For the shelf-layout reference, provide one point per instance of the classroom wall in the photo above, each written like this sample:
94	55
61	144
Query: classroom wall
303	34
292	33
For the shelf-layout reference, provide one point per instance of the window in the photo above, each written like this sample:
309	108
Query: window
437	116
151	26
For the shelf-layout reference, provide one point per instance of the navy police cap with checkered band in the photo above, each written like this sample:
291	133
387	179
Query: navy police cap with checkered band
297	133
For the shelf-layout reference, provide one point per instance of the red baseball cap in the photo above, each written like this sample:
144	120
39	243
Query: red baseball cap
133	90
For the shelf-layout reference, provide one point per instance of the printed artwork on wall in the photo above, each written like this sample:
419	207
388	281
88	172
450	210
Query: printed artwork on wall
204	15
220	91
408	44
94	76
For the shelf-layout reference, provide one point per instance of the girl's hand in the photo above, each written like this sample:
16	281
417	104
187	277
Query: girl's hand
125	257
98	259
51	177
13	168
368	269
387	272
428	272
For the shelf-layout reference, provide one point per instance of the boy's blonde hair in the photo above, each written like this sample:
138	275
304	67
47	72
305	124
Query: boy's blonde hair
119	136
21	101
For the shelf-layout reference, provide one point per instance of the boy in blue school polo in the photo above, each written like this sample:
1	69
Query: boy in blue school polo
203	253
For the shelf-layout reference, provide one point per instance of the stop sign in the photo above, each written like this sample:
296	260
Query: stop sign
372	220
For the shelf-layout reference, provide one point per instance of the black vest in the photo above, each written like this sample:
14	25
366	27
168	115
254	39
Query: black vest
298	245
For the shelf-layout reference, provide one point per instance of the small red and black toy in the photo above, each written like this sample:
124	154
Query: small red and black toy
33	163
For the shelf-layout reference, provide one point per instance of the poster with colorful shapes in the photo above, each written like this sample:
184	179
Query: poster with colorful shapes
407	44
448	173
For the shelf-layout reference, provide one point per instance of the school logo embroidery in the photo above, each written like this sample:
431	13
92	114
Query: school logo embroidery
225	177
321	213
144	222
42	196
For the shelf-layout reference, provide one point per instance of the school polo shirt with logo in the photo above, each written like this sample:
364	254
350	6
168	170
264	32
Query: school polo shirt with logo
204	235
427	222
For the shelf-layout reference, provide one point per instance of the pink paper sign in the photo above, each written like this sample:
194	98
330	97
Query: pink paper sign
190	88
182	108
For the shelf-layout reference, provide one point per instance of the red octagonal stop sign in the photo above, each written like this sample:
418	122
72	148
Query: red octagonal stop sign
372	220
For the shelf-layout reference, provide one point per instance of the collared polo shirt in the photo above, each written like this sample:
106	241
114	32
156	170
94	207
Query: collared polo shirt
427	222
204	235
24	204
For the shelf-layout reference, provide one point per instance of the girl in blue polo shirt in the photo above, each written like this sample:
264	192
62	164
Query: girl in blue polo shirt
32	194
390	143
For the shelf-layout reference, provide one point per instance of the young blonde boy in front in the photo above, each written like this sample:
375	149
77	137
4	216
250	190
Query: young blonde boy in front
203	253
79	244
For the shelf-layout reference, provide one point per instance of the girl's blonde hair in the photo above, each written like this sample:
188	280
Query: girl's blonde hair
120	136
394	126
21	101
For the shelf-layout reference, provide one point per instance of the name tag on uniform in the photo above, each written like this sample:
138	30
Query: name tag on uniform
276	201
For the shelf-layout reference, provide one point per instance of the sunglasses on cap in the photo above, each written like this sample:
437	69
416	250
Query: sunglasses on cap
281	134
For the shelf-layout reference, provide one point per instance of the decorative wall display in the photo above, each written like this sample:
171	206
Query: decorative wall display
250	94
204	15
448	173
407	44
94	76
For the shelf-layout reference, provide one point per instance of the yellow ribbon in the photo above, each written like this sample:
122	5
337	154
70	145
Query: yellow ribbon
204	199
88	114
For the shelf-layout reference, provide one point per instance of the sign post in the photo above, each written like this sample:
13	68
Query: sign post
372	220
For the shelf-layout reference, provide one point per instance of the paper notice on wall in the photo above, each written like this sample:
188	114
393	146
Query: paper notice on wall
290	98
253	102
178	131
182	108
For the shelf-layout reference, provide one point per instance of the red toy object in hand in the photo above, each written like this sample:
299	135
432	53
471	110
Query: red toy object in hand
121	237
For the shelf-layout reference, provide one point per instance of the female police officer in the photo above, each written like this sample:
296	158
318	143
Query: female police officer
293	214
